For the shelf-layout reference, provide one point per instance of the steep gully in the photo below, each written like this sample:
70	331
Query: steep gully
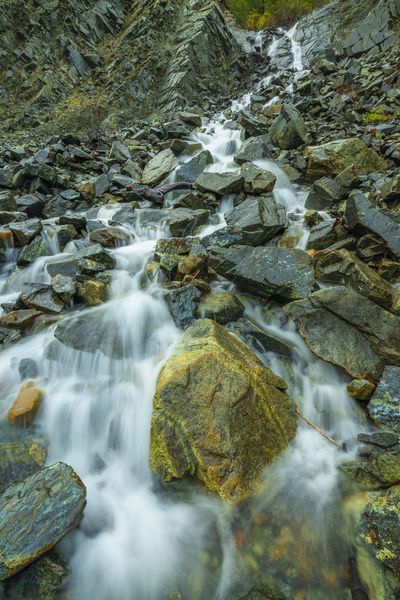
140	541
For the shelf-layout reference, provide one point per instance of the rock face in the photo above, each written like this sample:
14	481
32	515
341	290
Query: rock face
67	50
265	271
332	158
218	413
36	514
384	406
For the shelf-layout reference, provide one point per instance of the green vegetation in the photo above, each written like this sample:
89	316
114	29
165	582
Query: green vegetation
258	14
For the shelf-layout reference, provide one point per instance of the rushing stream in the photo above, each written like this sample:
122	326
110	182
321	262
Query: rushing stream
139	541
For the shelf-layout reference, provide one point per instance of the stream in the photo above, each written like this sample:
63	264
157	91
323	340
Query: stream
140	540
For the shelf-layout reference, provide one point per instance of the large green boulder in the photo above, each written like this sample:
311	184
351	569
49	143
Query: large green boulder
332	158
36	513
22	453
218	413
43	579
384	406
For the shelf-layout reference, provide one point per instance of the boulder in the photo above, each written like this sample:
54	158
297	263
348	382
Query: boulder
251	125
25	231
19	319
334	340
333	157
109	237
257	181
344	267
361	389
265	271
254	148
384	406
258	219
288	131
159	167
37	248
42	508
45	579
42	297
26	405
324	193
260	338
374	467
363	217
181	221
92	291
222	307
221	184
218	413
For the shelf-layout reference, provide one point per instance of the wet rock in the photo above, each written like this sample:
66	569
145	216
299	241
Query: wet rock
8	217
332	158
384	406
25	231
19	319
178	246
257	181
26	405
193	168
221	184
374	468
262	339
324	193
335	340
252	125
382	439
159	167
219	414
109	237
42	580
362	217
43	508
42	297
257	219
181	221
265	271
58	206
322	236
343	267
222	307
288	131
92	292
63	266
119	151
30	204
223	238
28	368
22	453
254	148
37	248
182	304
361	389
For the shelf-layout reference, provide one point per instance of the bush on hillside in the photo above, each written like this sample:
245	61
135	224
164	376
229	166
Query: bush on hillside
258	14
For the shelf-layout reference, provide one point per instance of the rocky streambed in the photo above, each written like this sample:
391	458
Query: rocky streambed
200	384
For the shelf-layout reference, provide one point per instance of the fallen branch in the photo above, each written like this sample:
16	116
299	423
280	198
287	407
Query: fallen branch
311	424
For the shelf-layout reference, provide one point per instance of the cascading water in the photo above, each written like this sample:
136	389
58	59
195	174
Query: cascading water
137	541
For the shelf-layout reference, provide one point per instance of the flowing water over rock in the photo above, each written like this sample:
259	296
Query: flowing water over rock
98	368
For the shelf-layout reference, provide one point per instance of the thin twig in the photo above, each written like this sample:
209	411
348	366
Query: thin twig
311	424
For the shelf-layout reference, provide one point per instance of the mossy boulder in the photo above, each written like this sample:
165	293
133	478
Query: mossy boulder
219	414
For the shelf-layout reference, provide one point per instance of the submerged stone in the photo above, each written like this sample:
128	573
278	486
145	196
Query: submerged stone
219	414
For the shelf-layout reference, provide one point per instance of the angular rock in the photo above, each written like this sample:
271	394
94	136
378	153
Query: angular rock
221	184
384	406
42	297
343	267
261	339
219	414
37	248
22	453
324	193
181	221
363	217
333	157
109	237
25	231
254	148
221	307
191	169
42	508
92	292
159	167
44	579
251	125
19	319
265	271
361	389
288	131
182	304
257	219
257	181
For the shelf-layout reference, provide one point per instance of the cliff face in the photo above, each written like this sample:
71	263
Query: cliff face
67	61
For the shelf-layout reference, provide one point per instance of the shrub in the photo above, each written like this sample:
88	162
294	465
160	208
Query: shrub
259	14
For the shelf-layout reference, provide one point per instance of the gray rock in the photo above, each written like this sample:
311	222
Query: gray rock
363	217
221	184
22	453
252	125
191	169
42	297
258	219
324	193
182	304
159	167
384	406
43	508
288	131
119	151
256	180
265	271
37	248
222	307
262	339
25	231
255	148
181	221
30	204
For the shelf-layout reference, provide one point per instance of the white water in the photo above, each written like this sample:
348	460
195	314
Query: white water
138	542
